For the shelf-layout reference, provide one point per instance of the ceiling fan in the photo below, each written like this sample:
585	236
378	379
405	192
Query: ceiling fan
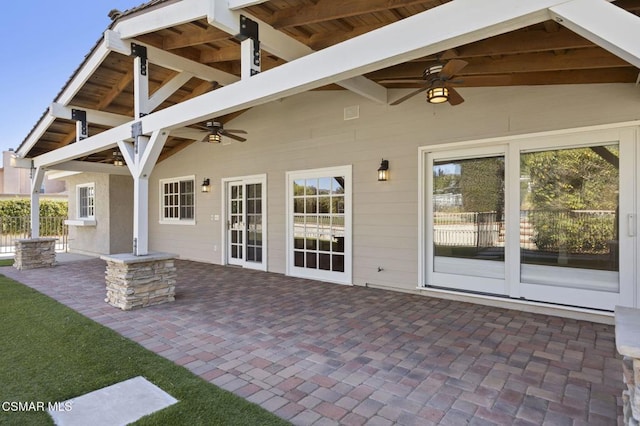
217	131
437	81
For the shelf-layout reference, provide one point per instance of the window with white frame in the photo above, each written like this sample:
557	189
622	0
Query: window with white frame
177	203
86	201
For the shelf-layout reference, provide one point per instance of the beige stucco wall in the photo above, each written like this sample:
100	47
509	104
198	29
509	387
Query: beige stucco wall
121	214
113	230
309	131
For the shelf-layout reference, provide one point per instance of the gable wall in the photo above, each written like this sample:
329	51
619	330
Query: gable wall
308	131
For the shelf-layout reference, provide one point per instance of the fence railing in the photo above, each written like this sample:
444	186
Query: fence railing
576	231
17	227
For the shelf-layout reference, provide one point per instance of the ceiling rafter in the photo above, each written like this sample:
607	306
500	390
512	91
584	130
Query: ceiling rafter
592	58
326	10
208	35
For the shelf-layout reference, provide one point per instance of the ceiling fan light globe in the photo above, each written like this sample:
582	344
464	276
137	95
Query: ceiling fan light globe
437	95
215	138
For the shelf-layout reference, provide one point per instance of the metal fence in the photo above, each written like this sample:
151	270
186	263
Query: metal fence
17	227
577	231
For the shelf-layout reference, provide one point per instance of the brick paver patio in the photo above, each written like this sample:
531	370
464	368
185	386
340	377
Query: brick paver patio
320	354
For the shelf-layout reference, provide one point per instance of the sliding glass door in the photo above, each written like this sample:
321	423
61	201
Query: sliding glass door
467	220
546	219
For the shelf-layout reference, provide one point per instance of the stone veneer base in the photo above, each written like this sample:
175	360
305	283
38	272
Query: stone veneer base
628	345
139	281
35	253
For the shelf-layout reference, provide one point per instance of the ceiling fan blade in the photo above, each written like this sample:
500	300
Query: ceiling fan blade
454	96
229	135
452	67
235	131
407	96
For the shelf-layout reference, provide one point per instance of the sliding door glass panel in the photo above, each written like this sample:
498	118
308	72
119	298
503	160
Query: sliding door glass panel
569	217
468	216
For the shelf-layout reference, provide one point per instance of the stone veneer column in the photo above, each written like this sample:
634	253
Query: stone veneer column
139	281
628	345
35	253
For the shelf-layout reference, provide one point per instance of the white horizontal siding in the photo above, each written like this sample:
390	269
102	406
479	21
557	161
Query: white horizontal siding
308	131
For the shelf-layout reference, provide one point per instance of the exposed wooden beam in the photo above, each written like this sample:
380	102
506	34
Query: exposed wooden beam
326	10
231	53
518	42
201	36
169	60
287	48
453	24
590	58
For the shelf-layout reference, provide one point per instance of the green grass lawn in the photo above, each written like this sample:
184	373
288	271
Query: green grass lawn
50	353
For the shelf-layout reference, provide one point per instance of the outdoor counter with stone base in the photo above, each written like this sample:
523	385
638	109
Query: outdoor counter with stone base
628	345
139	281
34	253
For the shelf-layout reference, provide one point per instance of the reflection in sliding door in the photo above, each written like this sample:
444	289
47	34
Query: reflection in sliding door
468	202
569	218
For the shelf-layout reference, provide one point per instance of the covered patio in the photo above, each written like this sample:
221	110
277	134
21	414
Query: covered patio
316	353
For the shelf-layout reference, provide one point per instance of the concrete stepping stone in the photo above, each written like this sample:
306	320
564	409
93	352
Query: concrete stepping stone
115	405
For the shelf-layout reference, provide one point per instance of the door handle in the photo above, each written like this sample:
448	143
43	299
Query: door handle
631	225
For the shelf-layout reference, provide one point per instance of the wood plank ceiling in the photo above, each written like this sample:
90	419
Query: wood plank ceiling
543	54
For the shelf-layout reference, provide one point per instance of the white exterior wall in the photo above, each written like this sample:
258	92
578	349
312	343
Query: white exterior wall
309	131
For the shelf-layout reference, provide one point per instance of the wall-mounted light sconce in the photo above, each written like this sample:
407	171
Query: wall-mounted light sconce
383	171
206	185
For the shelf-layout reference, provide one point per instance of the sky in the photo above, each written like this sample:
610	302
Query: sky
43	42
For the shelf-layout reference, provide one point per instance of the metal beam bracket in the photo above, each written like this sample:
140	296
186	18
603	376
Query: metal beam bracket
81	116
249	30
140	52
136	129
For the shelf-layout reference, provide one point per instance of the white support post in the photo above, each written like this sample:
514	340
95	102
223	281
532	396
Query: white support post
141	159
37	176
250	63
140	216
140	87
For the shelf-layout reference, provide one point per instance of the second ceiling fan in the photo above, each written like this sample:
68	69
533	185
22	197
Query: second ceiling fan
437	82
217	131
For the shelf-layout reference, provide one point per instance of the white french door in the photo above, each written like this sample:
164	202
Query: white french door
545	218
245	222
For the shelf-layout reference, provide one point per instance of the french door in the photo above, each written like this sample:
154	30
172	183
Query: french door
548	219
245	202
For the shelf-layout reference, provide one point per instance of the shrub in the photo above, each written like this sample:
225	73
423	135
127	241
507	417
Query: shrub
15	216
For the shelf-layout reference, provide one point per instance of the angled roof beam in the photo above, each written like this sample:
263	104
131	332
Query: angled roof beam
287	48
168	89
102	118
83	74
603	23
91	167
451	25
115	42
